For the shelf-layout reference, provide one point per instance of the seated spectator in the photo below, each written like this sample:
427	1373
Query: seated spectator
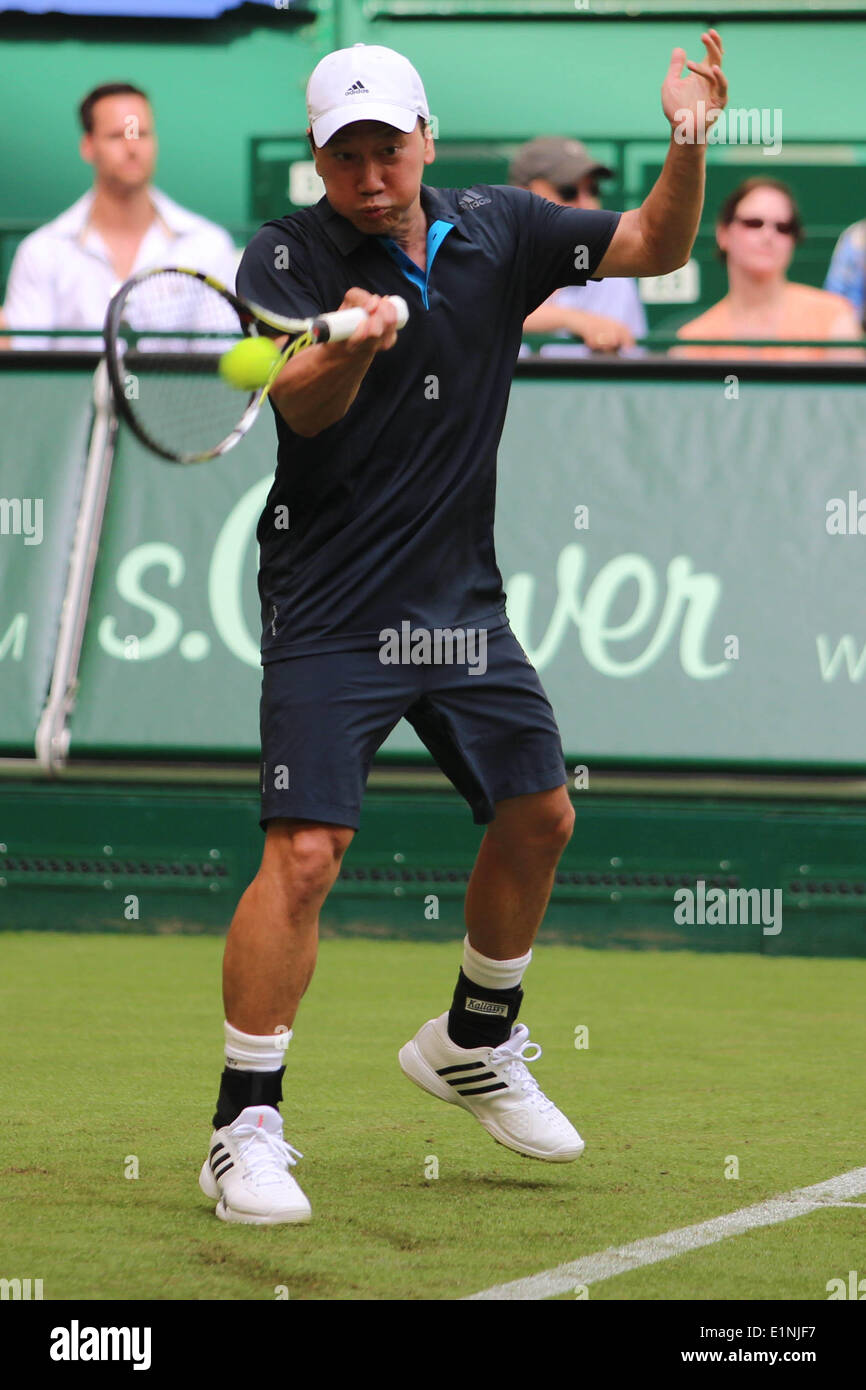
64	274
847	273
606	314
757	230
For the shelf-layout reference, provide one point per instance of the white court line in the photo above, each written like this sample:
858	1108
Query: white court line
591	1269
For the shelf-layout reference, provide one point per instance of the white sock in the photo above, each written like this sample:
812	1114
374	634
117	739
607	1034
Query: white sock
493	974
247	1052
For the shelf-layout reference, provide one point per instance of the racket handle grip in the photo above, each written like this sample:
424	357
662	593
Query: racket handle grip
343	322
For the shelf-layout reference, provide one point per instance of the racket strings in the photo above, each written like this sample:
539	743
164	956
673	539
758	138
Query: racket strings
303	340
171	330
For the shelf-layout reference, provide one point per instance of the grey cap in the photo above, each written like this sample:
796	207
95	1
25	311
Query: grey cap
556	159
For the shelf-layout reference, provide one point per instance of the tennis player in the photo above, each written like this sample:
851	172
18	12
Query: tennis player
386	472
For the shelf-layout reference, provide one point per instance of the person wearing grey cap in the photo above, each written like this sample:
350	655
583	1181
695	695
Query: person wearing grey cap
606	314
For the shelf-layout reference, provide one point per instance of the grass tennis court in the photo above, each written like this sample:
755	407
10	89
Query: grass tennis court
115	1046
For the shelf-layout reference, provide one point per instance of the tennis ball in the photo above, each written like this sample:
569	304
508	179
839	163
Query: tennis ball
249	364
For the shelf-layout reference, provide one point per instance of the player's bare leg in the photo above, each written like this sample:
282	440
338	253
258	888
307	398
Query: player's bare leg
475	1055
513	876
269	961
271	947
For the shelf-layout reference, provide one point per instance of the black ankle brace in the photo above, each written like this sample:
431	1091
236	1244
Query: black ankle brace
238	1089
481	1017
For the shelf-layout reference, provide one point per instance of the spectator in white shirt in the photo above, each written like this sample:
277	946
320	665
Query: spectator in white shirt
64	274
607	314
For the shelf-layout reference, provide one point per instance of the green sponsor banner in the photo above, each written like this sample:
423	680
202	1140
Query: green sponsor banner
682	560
170	662
43	451
684	565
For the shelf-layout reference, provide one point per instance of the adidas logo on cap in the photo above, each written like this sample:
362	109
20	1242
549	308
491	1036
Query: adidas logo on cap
354	84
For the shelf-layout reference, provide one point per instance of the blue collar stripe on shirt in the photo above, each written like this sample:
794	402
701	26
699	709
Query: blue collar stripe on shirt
436	234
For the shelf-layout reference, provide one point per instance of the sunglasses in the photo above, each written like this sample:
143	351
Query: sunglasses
783	228
569	191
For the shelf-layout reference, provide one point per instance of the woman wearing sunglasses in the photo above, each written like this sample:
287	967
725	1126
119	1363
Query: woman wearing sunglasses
757	231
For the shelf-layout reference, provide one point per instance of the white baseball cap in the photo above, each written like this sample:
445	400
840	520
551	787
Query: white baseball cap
364	83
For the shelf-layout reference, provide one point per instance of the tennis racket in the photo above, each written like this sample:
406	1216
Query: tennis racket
165	332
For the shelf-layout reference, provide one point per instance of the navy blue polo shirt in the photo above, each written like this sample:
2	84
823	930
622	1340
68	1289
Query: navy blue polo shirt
391	509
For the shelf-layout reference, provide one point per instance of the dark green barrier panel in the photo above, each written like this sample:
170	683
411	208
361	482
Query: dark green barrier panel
115	858
44	426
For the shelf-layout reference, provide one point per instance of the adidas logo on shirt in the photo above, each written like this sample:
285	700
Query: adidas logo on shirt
355	89
472	200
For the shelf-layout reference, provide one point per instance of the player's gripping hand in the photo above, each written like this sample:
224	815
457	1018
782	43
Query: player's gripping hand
378	331
316	388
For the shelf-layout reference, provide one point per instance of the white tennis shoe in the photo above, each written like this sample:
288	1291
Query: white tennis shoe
495	1085
247	1171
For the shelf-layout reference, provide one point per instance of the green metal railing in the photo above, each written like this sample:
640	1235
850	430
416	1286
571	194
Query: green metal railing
660	342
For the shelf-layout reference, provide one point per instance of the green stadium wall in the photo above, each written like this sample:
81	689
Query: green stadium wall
216	85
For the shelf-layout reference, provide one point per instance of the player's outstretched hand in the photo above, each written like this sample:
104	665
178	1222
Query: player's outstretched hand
696	99
378	331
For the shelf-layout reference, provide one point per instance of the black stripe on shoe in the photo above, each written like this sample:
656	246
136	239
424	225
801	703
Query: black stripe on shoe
482	1090
222	1165
461	1066
216	1148
461	1080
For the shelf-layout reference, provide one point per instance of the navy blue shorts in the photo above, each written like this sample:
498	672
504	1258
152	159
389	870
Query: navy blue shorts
491	731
